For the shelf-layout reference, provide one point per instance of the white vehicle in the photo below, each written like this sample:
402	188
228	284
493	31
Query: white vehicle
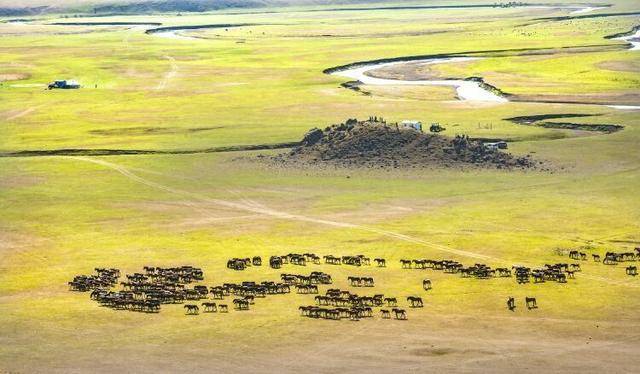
412	124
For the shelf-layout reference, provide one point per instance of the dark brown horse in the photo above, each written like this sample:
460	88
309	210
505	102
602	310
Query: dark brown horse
192	309
415	302
531	302
511	303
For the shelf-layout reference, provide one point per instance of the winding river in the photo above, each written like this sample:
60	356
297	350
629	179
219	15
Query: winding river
466	90
633	39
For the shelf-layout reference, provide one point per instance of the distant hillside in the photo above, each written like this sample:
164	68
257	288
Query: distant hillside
9	8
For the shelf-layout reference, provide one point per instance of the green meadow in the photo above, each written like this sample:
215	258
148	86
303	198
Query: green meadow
263	84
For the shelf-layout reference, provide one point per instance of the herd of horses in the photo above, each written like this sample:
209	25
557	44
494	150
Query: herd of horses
155	286
337	304
147	291
302	259
556	272
612	258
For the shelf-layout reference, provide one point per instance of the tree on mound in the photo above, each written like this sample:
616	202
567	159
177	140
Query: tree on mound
375	143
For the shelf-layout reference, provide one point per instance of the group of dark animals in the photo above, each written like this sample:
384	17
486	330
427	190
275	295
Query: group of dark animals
556	272
276	262
142	292
613	258
242	263
337	304
147	291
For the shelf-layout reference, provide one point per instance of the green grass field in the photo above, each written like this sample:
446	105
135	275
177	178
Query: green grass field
263	84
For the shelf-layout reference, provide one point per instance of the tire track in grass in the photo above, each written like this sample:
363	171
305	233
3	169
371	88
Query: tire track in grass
22	113
169	74
280	214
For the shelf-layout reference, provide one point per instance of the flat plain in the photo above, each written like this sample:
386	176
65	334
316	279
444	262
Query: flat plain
259	81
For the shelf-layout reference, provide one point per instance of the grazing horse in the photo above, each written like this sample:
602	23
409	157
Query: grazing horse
217	293
368	281
209	307
192	309
511	303
241	304
531	302
381	262
391	301
275	262
610	258
223	308
354	315
385	314
355	281
575	267
571	273
415	302
399	313
406	264
596	258
426	284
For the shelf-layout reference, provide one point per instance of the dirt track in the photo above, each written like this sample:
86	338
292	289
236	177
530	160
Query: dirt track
22	113
173	70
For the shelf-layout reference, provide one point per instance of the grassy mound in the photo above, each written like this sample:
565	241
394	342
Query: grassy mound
375	143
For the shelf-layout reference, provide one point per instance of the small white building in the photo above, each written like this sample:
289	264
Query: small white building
496	145
412	124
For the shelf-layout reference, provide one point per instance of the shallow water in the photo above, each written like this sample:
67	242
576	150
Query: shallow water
587	9
466	90
633	39
625	107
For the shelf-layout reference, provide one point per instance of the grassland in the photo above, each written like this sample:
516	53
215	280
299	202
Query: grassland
263	84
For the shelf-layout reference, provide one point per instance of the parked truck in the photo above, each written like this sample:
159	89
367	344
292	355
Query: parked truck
64	84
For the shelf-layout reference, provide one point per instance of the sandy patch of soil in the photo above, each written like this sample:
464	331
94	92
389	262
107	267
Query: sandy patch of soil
438	344
145	131
13	76
410	71
630	98
630	66
16	181
15	114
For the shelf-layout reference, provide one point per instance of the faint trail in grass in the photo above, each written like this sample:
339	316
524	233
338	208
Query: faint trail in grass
259	209
169	74
129	33
254	208
23	113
